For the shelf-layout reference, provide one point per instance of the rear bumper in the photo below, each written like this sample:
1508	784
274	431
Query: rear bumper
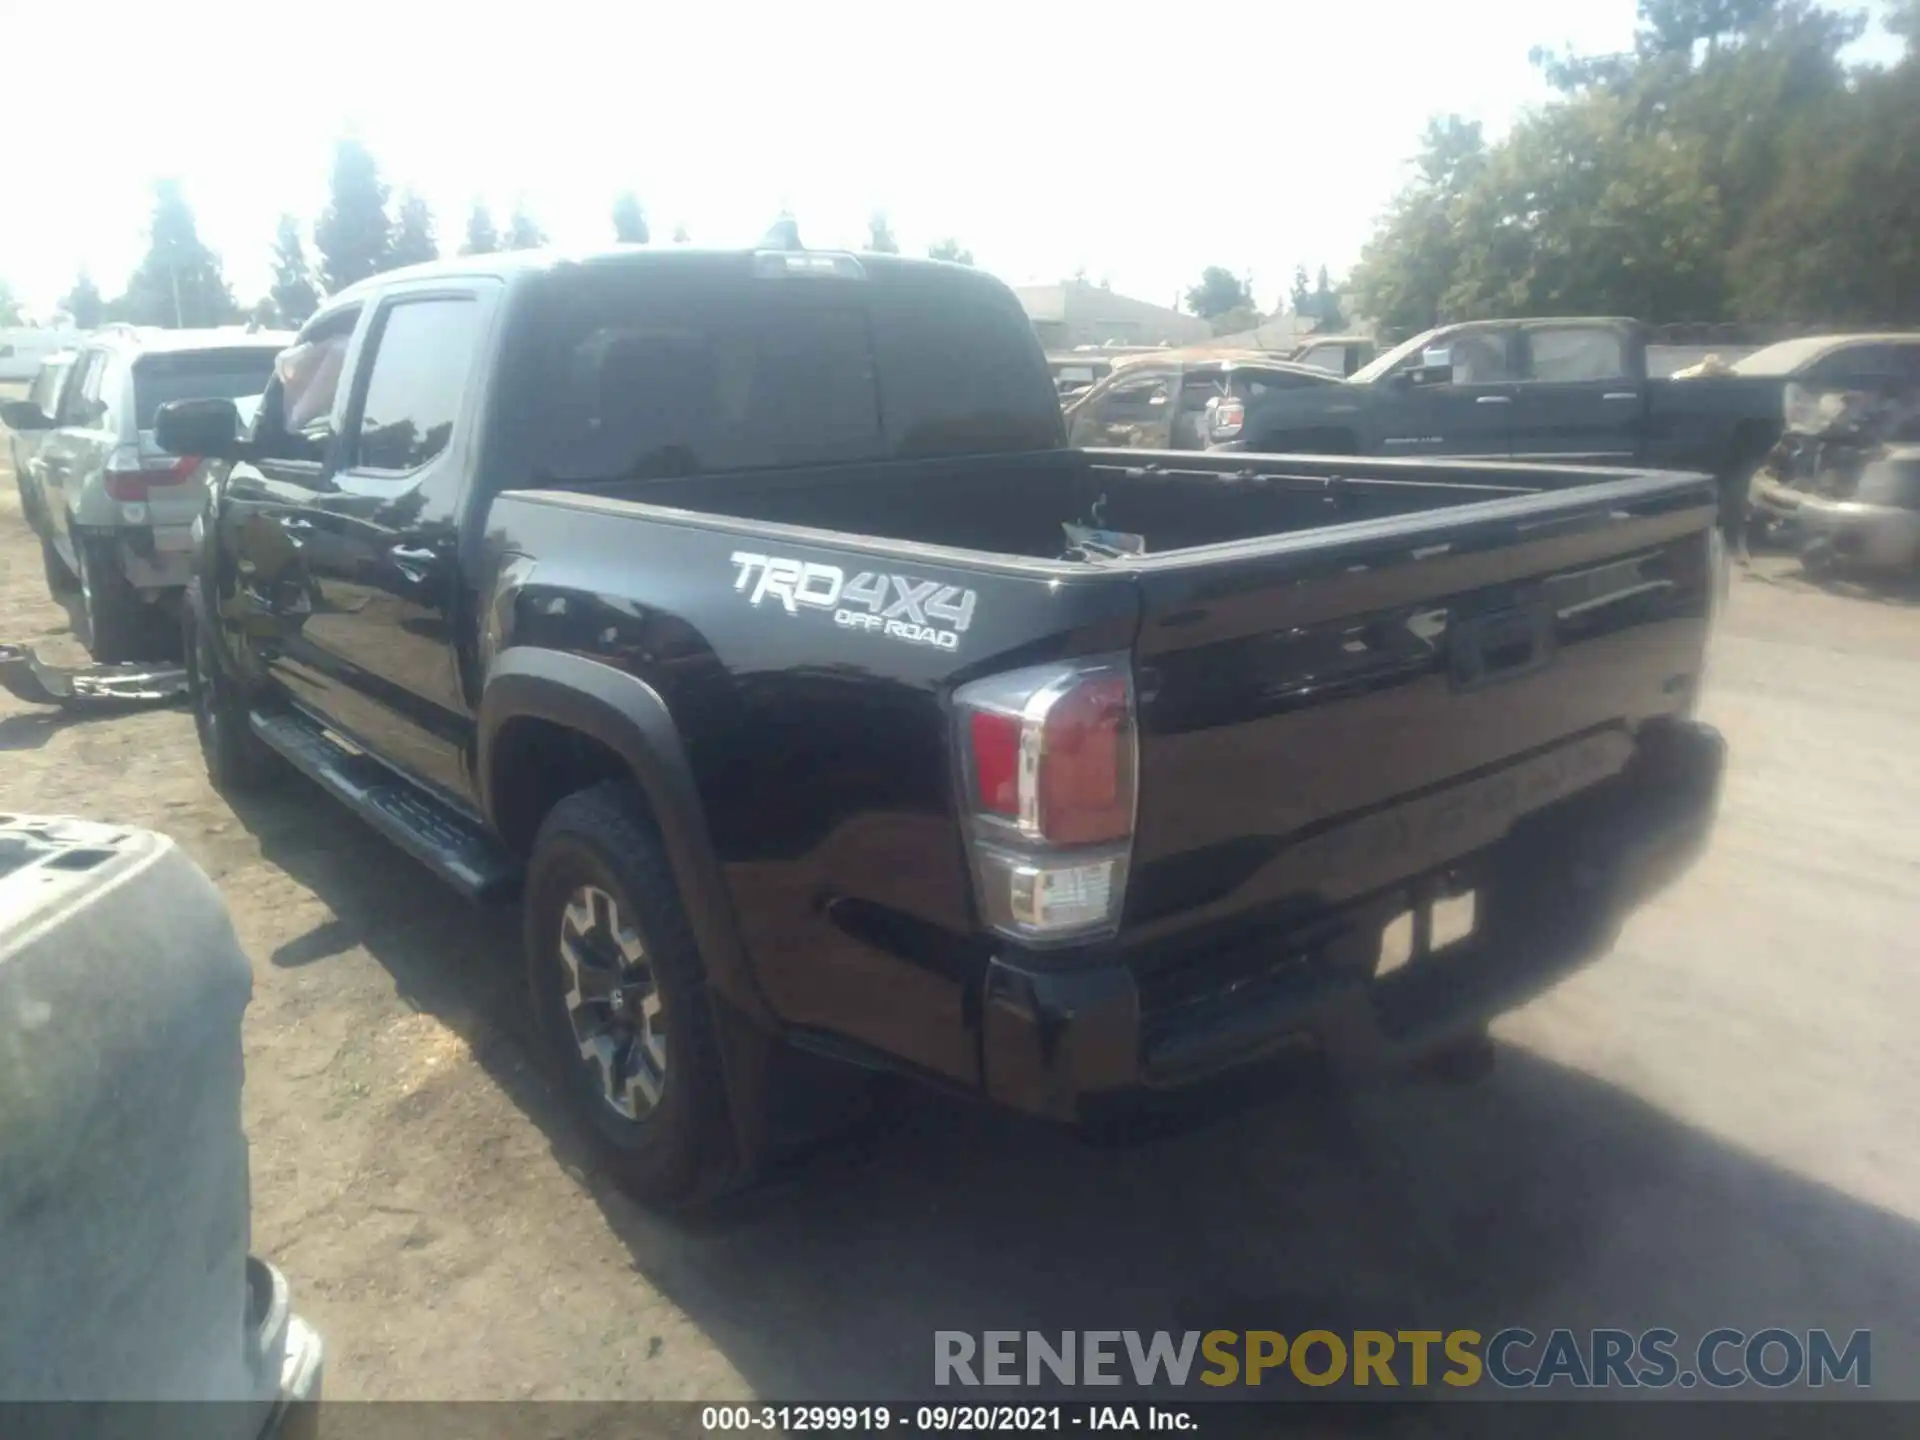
1066	1044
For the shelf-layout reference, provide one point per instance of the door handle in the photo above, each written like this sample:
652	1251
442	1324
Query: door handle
415	562
1493	400
1621	395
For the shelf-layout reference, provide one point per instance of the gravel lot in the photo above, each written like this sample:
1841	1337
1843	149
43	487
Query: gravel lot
1715	1125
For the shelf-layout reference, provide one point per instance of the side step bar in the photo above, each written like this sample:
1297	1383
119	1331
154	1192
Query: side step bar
446	842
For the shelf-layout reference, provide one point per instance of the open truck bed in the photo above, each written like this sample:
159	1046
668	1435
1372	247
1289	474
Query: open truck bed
1353	684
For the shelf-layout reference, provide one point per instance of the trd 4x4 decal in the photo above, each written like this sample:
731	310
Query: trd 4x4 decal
901	607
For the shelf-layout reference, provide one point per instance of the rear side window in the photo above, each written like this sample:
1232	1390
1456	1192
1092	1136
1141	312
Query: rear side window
422	356
76	396
197	375
648	380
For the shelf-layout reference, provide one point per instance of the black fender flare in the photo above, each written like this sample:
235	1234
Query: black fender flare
629	717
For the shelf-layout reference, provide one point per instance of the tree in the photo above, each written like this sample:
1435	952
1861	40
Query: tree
629	220
265	315
413	241
880	235
84	304
950	249
522	232
1326	304
353	233
680	235
482	237
179	282
1219	292
9	305
1300	298
1670	182
294	295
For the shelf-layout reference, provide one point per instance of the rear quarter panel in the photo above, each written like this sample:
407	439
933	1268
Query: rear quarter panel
819	741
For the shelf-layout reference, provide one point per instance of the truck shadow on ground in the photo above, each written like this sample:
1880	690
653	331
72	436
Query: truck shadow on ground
1536	1196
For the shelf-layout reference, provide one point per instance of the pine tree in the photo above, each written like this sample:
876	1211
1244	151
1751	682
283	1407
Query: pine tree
84	304
522	232
880	239
352	235
413	241
294	295
179	283
482	236
629	220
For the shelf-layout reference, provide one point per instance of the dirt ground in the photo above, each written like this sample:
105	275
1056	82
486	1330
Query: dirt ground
1715	1125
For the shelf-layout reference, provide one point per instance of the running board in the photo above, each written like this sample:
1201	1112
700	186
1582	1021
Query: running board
446	842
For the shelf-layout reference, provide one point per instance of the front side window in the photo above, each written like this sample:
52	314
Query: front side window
295	421
1480	357
422	356
46	386
1575	354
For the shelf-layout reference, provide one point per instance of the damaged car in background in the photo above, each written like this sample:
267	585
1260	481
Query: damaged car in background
1843	484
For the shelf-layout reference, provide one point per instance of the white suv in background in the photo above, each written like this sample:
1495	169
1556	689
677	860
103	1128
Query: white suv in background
115	512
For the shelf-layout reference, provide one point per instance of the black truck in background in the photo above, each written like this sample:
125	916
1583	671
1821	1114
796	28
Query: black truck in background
748	615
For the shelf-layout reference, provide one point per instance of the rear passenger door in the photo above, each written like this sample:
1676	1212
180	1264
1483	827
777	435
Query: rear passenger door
1578	399
378	540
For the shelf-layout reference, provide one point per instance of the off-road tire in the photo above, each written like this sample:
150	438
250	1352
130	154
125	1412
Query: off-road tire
115	624
237	761
681	1152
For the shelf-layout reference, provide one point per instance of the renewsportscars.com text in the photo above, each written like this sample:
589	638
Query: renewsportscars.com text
1512	1358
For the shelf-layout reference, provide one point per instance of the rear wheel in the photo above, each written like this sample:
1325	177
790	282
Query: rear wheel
620	991
114	623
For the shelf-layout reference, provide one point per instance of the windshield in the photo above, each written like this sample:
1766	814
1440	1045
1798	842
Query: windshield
1381	365
1781	359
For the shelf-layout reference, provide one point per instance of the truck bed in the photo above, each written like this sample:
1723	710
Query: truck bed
1174	500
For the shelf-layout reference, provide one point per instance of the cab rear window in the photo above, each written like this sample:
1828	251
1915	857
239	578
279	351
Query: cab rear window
646	380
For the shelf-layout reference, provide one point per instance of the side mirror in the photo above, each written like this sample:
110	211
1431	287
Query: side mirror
207	428
24	415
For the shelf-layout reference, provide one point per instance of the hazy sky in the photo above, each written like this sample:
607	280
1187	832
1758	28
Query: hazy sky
1141	141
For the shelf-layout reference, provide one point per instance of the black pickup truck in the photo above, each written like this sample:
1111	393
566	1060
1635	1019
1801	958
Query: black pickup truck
1568	389
748	615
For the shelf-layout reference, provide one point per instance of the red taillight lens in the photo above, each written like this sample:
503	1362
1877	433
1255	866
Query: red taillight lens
996	763
1228	417
134	484
1049	760
1085	778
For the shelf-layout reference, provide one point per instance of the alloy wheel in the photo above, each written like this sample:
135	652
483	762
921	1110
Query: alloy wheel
613	1002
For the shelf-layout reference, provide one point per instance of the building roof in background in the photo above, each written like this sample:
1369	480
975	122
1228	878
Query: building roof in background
1078	302
1280	332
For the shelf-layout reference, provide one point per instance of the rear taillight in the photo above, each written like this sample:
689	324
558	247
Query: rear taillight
1049	763
129	479
1228	416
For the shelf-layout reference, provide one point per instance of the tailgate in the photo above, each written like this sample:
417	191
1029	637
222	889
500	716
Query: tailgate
1324	715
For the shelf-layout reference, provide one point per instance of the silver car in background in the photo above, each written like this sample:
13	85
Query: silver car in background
22	445
115	512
